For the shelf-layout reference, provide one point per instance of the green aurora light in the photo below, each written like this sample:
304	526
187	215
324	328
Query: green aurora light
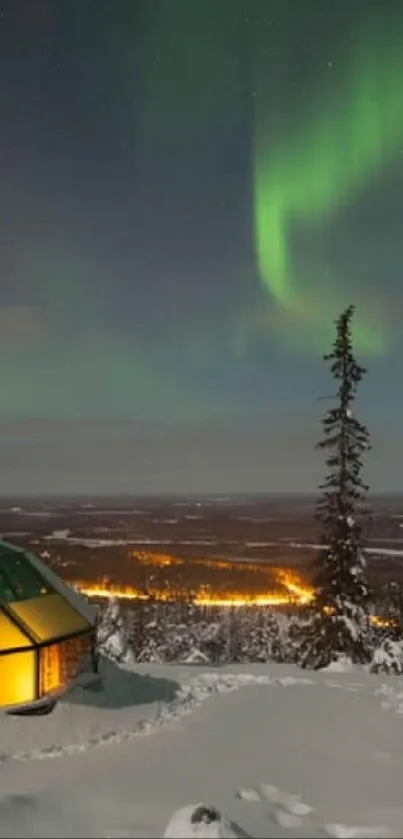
321	168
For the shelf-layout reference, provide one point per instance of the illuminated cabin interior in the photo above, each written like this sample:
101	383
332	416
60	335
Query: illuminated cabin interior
46	630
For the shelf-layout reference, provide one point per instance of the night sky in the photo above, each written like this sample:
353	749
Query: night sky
191	190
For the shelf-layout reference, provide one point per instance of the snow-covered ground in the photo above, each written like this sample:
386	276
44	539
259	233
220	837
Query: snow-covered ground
280	752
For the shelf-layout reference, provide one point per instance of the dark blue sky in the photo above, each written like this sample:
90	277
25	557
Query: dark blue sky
140	350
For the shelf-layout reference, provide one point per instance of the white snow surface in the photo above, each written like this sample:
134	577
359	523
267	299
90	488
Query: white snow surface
276	750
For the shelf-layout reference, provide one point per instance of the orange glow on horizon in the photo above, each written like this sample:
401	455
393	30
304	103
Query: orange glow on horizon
295	592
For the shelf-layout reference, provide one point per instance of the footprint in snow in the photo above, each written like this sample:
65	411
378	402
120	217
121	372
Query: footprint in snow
288	801
343	831
288	811
251	795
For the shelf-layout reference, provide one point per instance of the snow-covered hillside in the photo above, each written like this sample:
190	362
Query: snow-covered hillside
279	752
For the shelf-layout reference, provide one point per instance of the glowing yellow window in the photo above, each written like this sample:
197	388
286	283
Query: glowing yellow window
17	678
11	637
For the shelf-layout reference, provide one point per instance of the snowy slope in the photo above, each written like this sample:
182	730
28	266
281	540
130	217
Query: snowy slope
280	752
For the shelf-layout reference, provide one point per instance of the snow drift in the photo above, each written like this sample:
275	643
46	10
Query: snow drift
202	821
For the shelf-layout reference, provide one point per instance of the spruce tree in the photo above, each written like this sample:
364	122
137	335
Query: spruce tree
338	624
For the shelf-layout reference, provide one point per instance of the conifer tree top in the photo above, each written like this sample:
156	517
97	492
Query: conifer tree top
344	365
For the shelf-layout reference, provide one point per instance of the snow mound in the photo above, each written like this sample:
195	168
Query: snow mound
341	665
388	657
202	821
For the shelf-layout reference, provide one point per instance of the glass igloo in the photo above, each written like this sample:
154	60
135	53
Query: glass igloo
46	630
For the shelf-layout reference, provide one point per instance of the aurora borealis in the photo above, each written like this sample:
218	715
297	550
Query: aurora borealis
191	191
328	159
